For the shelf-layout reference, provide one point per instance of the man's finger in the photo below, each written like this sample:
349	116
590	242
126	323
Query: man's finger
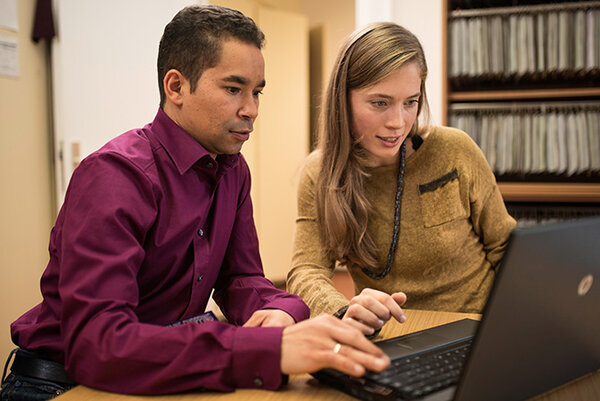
354	362
344	333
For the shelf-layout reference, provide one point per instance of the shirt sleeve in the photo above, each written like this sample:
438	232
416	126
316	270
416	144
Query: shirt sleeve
311	270
110	207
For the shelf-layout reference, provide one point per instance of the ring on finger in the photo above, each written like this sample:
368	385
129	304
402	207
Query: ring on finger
337	348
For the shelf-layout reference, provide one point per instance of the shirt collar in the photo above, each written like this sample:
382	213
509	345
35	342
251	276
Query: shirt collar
181	147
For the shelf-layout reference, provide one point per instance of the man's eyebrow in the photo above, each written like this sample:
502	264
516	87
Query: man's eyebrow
242	81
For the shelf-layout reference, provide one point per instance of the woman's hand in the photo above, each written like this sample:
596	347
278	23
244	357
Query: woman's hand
371	309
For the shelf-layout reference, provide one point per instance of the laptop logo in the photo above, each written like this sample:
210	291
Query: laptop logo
584	285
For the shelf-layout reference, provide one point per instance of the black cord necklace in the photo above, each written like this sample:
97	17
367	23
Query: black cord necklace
397	206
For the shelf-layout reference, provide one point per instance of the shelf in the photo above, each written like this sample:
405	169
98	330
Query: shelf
523	94
550	192
511	91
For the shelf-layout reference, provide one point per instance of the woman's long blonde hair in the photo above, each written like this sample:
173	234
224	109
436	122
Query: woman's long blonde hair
368	56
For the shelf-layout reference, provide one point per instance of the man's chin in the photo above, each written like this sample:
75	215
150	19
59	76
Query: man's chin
233	150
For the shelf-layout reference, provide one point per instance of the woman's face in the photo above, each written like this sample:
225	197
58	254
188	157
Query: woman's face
383	114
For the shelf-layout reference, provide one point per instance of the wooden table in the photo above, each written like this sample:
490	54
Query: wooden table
306	388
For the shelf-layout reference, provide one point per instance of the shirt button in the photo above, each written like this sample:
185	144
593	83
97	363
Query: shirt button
201	232
258	381
209	164
200	278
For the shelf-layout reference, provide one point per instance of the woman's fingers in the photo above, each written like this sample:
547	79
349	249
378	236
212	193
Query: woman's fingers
373	308
358	324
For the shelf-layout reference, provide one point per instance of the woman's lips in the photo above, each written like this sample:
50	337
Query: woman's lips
389	141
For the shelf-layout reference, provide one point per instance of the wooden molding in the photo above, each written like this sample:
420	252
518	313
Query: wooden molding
549	192
523	94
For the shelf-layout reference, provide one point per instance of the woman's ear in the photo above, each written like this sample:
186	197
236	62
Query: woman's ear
174	83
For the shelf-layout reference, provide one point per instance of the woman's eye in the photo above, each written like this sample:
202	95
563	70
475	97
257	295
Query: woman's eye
379	103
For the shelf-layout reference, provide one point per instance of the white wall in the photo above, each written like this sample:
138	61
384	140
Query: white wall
424	19
104	72
368	11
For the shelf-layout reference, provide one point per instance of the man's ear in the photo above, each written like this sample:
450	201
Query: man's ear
173	83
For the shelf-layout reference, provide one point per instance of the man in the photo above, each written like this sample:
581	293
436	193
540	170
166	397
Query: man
152	223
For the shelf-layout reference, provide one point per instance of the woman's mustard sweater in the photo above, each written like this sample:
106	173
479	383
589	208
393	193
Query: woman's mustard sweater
453	232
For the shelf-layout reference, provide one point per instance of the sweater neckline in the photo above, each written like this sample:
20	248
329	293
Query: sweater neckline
416	155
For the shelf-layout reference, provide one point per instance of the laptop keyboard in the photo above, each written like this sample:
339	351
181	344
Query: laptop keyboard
417	376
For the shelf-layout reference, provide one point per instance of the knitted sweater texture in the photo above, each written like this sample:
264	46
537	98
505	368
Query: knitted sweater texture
453	232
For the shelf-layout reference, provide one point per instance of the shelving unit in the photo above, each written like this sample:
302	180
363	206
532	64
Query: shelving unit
509	58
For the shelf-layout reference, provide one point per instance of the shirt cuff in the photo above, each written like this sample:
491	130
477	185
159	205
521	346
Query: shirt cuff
295	308
257	357
341	312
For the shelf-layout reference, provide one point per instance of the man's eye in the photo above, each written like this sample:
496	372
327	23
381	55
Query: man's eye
233	90
258	93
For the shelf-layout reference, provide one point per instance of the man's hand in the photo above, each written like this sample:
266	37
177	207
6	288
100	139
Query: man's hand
371	309
327	342
270	318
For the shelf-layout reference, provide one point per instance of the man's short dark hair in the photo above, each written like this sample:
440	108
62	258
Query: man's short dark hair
192	41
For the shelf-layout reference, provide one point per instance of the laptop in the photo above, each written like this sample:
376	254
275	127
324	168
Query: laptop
540	328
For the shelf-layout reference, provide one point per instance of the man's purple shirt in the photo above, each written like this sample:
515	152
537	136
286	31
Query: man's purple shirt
151	223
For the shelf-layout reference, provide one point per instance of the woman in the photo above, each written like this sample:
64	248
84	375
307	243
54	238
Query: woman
413	211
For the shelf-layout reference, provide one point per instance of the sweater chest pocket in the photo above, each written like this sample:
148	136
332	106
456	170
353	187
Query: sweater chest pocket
440	200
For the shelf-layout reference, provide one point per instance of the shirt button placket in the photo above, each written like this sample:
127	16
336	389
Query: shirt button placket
201	234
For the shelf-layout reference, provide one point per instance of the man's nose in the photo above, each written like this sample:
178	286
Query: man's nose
249	109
